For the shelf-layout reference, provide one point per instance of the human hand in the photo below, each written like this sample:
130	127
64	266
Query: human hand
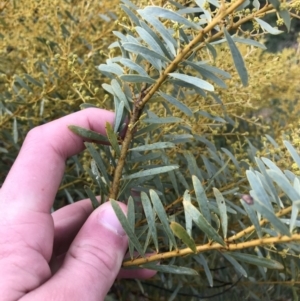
85	248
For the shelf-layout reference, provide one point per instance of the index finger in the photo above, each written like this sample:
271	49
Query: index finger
34	178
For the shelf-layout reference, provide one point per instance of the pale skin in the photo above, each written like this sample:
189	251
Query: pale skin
73	254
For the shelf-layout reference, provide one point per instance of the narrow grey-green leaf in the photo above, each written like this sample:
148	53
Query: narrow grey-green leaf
200	259
113	138
150	218
157	11
212	50
292	152
201	198
130	14
133	66
187	217
112	68
294	214
151	172
33	81
235	264
253	216
202	223
237	58
118	92
160	28
271	217
171	269
200	83
180	105
126	226
153	146
207	74
222	210
285	15
20	81
133	78
233	159
257	186
259	261
181	233
162	120
161	213
92	197
15	130
131	222
264	25
88	134
95	154
249	42
149	40
284	184
119	115
86	105
139	49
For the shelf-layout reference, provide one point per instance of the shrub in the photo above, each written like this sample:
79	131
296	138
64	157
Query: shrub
213	192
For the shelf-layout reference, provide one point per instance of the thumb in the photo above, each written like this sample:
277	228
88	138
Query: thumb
92	262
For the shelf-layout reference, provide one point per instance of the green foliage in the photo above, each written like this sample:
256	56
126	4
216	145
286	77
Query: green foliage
213	198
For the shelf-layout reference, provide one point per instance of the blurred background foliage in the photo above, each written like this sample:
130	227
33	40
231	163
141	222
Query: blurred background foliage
49	53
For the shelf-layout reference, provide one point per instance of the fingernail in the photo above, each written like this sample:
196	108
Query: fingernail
108	219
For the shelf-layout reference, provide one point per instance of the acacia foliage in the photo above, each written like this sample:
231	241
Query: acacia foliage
212	208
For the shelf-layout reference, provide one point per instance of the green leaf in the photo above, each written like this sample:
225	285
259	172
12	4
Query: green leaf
126	226
150	217
233	159
180	105
237	58
87	134
154	146
222	210
264	25
271	217
199	83
113	138
20	81
133	78
202	223
187	217
92	197
171	269
201	198
259	261
239	269
161	213
138	49
181	233
162	120
87	105
157	11
151	172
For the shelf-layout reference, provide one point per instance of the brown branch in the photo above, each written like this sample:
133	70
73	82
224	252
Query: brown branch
138	106
213	246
